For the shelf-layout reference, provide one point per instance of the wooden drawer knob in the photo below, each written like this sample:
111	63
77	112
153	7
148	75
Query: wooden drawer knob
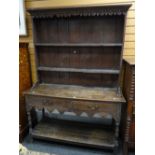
74	51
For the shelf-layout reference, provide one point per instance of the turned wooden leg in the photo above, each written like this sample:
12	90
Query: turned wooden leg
29	123
115	152
125	148
43	112
116	137
125	145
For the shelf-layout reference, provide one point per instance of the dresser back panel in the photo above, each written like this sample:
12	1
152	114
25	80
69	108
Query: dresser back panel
80	57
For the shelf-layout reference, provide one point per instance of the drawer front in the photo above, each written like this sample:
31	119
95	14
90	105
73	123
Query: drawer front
91	108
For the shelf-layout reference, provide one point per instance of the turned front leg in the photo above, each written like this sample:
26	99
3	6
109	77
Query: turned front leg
43	112
29	122
125	145
116	137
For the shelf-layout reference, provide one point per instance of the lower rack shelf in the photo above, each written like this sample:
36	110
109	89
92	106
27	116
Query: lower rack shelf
74	133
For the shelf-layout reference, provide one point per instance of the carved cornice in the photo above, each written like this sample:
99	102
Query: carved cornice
82	11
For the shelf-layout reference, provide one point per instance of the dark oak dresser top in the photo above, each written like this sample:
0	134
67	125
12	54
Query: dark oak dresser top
77	92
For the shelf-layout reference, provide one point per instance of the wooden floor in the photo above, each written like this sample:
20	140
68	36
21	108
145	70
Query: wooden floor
24	151
28	152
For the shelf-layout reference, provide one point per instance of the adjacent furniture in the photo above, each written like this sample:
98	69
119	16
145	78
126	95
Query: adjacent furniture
129	93
79	58
24	84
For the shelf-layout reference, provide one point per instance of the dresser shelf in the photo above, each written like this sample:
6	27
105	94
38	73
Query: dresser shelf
80	44
80	70
69	131
76	92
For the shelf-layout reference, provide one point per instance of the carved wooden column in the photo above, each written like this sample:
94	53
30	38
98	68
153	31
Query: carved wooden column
125	146
43	112
117	126
28	109
116	137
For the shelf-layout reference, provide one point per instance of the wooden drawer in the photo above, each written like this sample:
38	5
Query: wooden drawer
91	108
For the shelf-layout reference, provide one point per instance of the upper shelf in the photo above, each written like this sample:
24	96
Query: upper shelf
80	70
80	44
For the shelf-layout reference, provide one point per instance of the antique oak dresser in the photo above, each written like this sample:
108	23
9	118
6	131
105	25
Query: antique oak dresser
79	58
129	93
